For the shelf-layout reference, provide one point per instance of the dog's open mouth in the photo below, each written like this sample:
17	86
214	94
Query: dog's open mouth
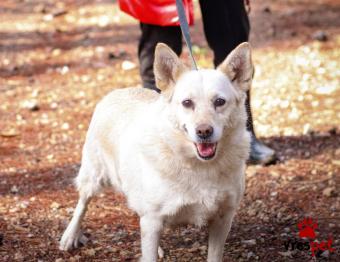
206	150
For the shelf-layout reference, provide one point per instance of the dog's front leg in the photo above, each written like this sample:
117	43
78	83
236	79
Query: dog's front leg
219	228
151	227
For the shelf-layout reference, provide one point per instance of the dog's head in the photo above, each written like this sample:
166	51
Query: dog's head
205	104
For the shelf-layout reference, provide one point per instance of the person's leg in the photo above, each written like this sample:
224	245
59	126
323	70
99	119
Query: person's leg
226	25
151	35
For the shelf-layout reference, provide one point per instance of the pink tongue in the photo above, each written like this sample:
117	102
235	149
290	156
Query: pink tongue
206	149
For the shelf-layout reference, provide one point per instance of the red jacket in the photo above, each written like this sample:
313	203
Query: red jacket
157	12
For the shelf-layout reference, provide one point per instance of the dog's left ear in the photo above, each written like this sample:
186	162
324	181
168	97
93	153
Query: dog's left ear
167	67
238	66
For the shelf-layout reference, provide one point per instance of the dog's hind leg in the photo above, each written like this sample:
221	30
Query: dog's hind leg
73	236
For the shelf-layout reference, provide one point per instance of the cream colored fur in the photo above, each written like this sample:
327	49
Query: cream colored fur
143	145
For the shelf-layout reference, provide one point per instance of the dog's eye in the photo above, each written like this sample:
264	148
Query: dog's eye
219	102
188	103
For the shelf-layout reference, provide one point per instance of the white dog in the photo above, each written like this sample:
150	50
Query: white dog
178	157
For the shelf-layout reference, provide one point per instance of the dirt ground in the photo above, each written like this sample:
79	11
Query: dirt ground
58	58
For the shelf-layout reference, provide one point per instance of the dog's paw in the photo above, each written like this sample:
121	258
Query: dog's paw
160	253
71	240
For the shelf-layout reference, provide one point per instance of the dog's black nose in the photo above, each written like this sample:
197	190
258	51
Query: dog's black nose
204	131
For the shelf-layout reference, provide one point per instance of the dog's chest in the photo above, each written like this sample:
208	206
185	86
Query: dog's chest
198	202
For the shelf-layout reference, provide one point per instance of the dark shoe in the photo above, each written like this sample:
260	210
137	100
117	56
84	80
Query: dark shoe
260	154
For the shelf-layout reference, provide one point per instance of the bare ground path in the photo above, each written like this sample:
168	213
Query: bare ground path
58	58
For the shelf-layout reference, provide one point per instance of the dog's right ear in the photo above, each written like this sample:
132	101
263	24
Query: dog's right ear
167	67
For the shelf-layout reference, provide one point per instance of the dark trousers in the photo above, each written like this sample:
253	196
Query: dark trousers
225	25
